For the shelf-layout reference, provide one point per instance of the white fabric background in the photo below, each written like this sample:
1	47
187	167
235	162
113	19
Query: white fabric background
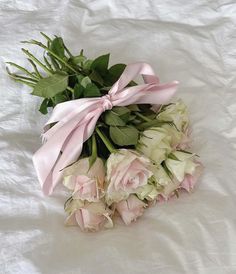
190	41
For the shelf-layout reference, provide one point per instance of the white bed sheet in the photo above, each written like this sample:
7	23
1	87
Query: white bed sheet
190	41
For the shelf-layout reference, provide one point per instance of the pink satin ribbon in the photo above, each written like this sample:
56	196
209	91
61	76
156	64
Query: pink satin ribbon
76	120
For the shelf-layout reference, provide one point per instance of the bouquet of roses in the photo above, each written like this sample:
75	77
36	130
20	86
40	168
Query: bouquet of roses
117	146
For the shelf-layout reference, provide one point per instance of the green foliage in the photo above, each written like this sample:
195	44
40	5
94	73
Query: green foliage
100	64
62	76
78	91
43	106
51	85
57	46
118	116
114	73
124	136
91	90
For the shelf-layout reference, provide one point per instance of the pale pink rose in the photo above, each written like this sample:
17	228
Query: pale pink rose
187	184
185	141
130	209
190	180
126	171
85	182
90	216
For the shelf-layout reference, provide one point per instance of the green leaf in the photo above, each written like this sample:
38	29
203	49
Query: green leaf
95	76
78	59
59	98
100	64
152	123
43	106
132	118
52	85
79	77
87	64
85	81
50	103
124	136
112	119
116	71
57	46
91	90
122	112
78	91
133	108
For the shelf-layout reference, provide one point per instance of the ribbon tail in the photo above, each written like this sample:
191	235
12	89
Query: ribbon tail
69	153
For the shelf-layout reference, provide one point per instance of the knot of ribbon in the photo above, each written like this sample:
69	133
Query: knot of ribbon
74	121
107	103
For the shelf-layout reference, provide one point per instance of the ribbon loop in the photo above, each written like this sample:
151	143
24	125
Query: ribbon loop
76	120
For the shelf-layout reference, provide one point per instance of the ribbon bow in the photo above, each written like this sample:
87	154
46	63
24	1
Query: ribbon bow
76	120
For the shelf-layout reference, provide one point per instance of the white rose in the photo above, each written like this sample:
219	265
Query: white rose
165	184
179	139
176	113
85	182
126	171
88	216
155	143
148	192
183	164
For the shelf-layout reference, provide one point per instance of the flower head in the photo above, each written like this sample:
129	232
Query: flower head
130	209
155	143
176	113
184	170
89	216
85	182
126	171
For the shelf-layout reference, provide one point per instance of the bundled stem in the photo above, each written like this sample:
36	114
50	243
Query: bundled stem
105	140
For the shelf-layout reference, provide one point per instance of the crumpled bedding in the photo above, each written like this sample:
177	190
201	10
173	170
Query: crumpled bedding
190	41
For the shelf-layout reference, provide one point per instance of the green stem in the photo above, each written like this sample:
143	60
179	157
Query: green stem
67	50
31	56
22	69
35	68
46	37
142	117
70	89
47	63
17	77
34	42
24	82
105	140
54	63
94	147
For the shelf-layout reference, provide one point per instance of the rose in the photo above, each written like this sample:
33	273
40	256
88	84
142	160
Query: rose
86	182
179	139
176	113
155	143
184	170
88	216
164	183
191	179
148	192
130	209
126	171
180	163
